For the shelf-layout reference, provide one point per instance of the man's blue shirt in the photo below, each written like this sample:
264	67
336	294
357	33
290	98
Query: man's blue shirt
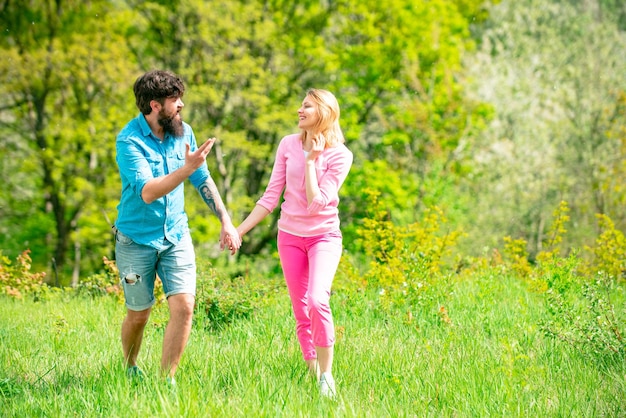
141	157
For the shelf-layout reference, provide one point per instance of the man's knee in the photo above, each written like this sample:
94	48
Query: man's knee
182	305
138	318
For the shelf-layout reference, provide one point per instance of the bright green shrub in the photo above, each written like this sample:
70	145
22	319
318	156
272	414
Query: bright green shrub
537	275
516	257
580	305
224	300
583	296
609	253
584	315
551	244
403	262
549	262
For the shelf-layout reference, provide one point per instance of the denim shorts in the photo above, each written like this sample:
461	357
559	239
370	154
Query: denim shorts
139	264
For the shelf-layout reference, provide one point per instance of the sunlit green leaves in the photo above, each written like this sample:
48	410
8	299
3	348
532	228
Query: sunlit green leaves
64	77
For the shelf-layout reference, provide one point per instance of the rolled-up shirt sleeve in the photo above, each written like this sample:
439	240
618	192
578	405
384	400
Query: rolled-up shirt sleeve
134	165
331	181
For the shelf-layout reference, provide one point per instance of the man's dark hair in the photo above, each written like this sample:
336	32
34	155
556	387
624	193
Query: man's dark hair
156	85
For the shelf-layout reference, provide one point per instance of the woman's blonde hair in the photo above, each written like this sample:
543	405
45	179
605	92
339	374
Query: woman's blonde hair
328	113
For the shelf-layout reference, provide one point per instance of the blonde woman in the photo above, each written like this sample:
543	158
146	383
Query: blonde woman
310	167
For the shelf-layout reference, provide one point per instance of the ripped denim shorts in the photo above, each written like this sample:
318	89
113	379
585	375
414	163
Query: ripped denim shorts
140	264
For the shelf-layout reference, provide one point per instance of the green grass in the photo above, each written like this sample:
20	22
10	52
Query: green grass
62	358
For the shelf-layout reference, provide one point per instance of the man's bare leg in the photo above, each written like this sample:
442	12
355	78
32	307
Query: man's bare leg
132	334
177	331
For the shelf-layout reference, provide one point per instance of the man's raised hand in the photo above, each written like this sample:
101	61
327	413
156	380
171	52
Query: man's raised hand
196	158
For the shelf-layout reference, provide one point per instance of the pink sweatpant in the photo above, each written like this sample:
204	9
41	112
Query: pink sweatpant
309	265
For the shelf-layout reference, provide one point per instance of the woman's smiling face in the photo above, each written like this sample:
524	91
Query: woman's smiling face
307	114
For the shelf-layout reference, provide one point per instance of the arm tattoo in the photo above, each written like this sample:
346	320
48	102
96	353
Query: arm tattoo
211	196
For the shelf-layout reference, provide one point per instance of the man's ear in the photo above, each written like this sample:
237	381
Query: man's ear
155	106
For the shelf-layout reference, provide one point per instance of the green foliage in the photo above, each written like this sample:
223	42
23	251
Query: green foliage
609	252
31	231
223	304
104	283
397	66
579	295
394	191
584	315
549	259
516	255
17	280
247	66
555	234
404	264
558	129
223	300
65	90
583	296
448	104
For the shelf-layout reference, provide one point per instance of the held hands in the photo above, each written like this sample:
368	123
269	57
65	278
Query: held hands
198	157
230	238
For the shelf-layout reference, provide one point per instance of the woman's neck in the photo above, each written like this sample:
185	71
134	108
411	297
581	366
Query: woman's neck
307	143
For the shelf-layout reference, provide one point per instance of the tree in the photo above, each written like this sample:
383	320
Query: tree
554	72
248	64
62	75
393	65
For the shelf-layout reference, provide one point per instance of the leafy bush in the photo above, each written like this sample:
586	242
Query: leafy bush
102	284
516	256
403	263
16	280
582	300
224	300
580	305
609	253
551	245
586	318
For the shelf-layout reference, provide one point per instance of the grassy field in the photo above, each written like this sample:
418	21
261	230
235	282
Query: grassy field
485	358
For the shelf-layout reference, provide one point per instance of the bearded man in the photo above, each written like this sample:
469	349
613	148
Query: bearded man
156	153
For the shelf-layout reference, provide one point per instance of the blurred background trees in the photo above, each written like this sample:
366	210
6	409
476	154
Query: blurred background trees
555	75
492	112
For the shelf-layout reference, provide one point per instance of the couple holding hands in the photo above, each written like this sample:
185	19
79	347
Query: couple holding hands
157	152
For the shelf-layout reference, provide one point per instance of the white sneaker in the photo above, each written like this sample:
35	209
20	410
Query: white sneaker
327	385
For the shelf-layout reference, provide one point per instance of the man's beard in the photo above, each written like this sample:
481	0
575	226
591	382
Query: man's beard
171	124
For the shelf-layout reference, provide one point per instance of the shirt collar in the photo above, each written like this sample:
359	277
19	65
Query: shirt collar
145	128
143	123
